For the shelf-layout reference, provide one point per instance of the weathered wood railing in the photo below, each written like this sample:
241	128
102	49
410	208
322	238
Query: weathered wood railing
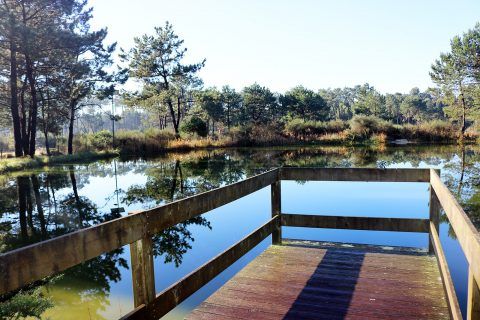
34	262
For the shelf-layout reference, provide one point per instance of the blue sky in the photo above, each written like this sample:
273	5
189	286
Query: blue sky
319	44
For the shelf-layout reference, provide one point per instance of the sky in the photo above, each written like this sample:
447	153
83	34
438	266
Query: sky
319	44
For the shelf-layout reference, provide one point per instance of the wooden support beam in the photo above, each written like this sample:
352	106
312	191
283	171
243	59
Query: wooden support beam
434	208
276	195
355	223
179	291
355	174
452	300
473	302
143	278
467	235
175	212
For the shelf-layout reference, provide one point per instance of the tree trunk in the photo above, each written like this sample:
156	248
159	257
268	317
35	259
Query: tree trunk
30	208
464	118
47	144
181	177
174	120
38	202
70	128
73	180
173	188
23	120
45	121
464	112
179	105
22	190
462	172
228	118
17	136
49	184
34	106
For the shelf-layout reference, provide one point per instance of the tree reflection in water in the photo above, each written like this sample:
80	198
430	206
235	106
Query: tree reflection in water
462	177
165	184
39	206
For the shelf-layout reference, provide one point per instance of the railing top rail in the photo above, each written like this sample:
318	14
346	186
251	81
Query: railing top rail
467	235
355	174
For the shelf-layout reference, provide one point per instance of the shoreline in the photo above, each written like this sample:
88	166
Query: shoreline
10	165
17	164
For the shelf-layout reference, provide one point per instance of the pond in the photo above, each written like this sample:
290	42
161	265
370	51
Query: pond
46	203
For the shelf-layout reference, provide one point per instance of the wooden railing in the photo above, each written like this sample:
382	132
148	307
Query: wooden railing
25	265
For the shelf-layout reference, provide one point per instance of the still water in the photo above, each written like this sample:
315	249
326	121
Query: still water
46	203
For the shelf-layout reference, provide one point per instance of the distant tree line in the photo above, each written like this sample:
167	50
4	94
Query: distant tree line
173	91
258	105
52	66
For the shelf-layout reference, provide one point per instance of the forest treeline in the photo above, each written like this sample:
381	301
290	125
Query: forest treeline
55	73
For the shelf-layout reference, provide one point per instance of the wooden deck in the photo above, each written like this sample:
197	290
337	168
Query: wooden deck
307	280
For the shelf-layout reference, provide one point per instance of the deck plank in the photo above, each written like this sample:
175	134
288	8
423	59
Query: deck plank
305	282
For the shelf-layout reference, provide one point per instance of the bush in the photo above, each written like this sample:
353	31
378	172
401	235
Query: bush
25	304
159	135
336	126
379	138
363	127
148	142
102	140
195	125
241	135
435	130
257	135
309	129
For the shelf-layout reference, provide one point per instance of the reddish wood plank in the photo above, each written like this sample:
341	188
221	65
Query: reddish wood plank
297	282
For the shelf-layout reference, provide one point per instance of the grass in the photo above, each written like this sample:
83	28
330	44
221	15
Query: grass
17	164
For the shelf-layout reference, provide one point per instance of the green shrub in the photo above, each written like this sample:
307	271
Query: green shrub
157	134
299	128
336	126
135	142
257	135
241	135
436	130
195	125
363	127
102	140
25	304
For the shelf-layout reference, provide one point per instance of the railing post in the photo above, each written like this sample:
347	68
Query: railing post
473	303
143	279
434	217
276	191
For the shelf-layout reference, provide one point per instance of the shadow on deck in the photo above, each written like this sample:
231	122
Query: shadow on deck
308	280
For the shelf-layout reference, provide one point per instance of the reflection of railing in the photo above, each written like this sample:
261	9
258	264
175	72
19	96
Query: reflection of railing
28	264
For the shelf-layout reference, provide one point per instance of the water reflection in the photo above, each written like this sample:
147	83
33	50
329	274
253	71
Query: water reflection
82	292
39	205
